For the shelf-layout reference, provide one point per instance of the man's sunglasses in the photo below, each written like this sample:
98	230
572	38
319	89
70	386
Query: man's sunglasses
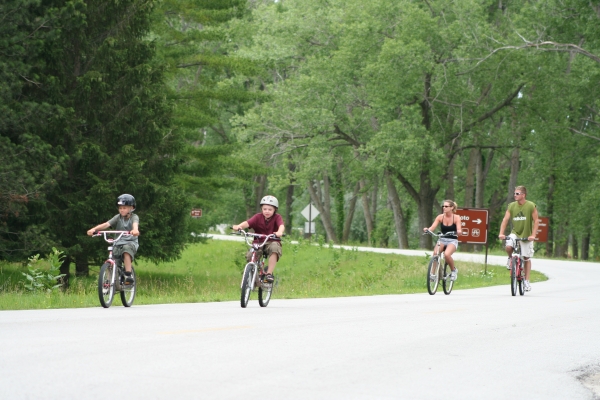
517	193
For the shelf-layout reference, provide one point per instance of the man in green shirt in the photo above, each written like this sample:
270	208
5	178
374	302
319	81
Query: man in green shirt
524	217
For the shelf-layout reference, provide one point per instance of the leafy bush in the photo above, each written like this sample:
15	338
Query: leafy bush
37	279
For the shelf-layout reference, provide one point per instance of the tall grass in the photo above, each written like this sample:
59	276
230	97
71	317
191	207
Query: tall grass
213	272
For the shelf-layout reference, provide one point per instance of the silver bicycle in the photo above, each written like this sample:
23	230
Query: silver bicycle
112	274
437	272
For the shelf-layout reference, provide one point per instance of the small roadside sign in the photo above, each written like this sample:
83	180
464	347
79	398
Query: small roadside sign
474	225
196	212
310	212
542	232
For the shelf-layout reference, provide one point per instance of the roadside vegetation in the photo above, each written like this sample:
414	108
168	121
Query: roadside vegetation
212	272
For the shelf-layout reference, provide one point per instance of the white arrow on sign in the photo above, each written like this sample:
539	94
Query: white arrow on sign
310	212
477	221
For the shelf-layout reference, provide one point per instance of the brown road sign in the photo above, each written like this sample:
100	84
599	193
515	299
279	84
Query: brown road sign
474	225
542	232
196	212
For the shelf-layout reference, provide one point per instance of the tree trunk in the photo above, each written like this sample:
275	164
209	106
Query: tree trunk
325	216
561	244
550	210
514	174
366	211
574	246
350	213
65	269
470	178
374	201
289	199
398	214
585	246
82	266
260	190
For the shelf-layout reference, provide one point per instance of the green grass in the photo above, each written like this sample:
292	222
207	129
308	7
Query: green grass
213	271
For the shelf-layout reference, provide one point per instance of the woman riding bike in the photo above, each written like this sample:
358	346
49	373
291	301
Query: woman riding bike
450	223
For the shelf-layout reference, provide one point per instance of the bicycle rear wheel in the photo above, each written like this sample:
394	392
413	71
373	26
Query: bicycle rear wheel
447	283
433	275
106	289
513	276
247	284
128	291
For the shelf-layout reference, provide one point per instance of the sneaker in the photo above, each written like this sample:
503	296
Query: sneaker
508	264
454	274
527	286
432	278
129	280
269	278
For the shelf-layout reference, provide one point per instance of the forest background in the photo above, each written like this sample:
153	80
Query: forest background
373	111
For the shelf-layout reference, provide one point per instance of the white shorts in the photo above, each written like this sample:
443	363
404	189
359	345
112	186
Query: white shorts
526	247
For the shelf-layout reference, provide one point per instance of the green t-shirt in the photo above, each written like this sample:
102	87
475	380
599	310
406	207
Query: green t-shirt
521	217
119	223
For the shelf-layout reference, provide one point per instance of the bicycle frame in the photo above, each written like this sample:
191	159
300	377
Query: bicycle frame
254	248
110	259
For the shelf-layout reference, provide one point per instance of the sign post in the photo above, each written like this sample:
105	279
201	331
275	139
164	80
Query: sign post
310	213
474	227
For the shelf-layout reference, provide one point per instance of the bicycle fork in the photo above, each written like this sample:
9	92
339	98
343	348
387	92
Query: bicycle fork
254	270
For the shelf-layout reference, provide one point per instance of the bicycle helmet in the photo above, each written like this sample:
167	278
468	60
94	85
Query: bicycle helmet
126	200
270	200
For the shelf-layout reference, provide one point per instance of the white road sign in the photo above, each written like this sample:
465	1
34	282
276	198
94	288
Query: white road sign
310	212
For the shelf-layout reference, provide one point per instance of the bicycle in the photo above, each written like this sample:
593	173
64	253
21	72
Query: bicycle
434	272
255	272
517	269
112	275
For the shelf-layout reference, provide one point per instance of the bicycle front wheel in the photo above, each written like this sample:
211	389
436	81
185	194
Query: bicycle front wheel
521	279
447	283
433	275
513	276
128	291
106	288
247	284
264	294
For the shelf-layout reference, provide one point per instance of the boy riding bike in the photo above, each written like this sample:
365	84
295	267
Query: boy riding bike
125	220
267	222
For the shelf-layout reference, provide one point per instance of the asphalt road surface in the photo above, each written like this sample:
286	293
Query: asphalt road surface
473	344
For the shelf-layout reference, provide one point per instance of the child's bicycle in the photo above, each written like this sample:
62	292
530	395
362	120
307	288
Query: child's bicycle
517	270
435	272
112	275
254	272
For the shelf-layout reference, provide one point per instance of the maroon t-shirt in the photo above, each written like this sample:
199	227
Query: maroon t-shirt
264	227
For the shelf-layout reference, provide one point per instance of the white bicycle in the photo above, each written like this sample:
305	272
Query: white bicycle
112	274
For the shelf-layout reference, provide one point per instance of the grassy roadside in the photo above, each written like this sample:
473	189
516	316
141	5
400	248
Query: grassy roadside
212	272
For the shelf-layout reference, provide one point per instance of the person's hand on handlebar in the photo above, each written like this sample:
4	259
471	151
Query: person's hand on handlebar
502	237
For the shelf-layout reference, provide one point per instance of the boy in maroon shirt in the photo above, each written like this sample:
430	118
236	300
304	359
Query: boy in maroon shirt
267	222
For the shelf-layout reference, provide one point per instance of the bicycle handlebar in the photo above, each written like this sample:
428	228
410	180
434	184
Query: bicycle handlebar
258	236
440	235
111	240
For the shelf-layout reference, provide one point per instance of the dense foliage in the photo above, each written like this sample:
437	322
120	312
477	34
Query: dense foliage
373	111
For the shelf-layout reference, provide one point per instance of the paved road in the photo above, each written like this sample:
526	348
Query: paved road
473	344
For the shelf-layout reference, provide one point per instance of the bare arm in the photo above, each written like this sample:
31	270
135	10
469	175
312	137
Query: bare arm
98	228
503	225
536	223
435	223
243	225
135	229
280	231
458	223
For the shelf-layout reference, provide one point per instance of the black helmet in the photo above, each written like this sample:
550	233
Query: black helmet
126	200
